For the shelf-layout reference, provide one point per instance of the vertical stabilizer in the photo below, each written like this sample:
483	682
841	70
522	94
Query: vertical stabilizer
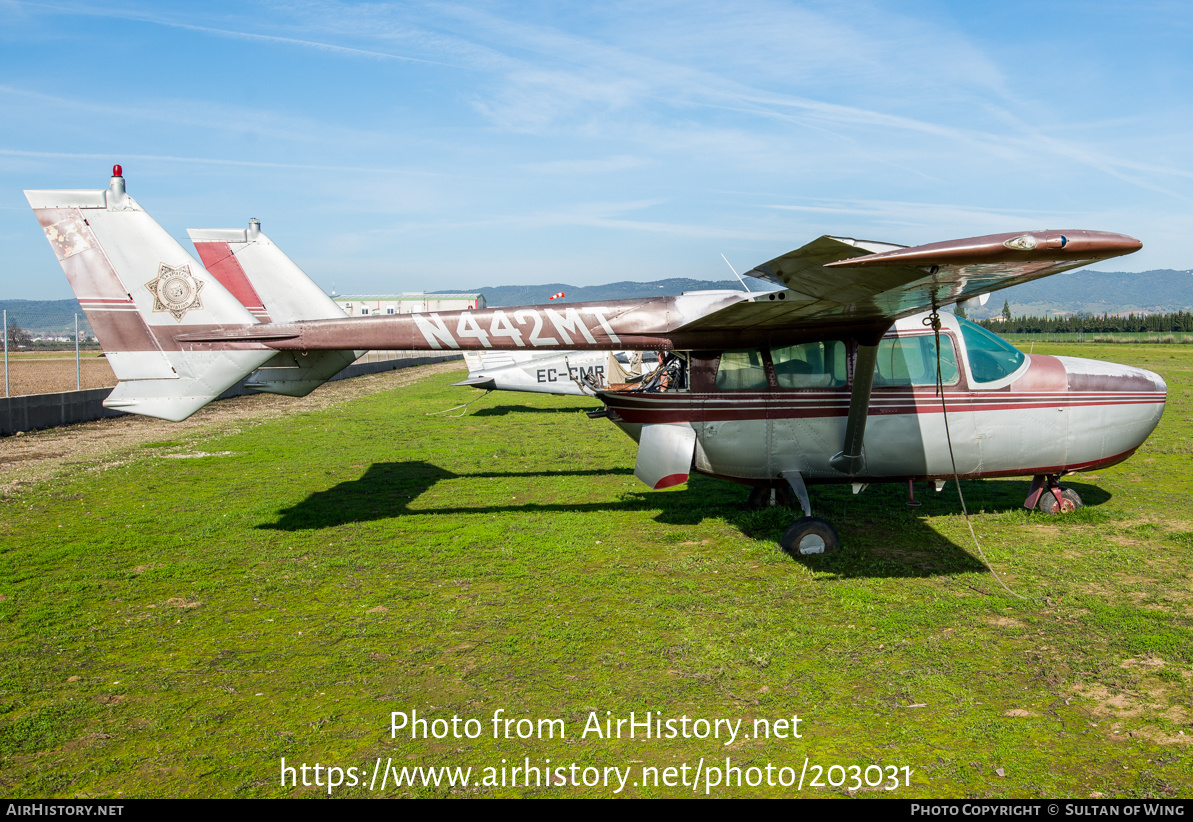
271	286
261	275
140	290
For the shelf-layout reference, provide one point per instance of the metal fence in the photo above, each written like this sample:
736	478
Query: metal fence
51	352
34	411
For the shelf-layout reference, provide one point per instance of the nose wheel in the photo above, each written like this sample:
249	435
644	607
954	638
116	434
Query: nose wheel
1059	501
1050	497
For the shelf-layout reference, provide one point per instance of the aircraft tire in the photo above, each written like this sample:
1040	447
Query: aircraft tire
809	536
1071	501
760	497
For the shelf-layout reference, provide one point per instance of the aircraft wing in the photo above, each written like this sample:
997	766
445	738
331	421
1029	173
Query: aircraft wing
840	281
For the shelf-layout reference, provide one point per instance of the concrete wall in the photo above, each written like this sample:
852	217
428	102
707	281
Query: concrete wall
34	411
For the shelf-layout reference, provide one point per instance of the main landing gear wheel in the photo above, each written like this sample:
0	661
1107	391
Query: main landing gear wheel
760	496
1069	501
810	535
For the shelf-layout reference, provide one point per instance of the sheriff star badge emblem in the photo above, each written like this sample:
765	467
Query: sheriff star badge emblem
175	290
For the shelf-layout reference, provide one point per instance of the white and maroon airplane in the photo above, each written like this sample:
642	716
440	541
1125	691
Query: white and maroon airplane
839	376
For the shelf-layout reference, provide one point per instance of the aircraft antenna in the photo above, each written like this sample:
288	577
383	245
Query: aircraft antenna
734	270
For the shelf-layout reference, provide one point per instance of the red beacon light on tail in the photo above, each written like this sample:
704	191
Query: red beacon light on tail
116	193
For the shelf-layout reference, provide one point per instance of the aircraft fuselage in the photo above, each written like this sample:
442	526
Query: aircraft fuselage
1048	416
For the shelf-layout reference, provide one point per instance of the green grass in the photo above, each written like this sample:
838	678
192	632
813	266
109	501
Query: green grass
174	627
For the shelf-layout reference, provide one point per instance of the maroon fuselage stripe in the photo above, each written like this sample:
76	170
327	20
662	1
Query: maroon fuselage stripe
716	407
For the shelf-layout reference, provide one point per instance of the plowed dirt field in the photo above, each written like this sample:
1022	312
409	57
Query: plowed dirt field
51	373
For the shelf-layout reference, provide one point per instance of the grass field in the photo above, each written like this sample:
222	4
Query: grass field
1116	337
176	624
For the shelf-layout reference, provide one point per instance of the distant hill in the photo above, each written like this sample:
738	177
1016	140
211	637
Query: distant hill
1096	292
506	295
45	316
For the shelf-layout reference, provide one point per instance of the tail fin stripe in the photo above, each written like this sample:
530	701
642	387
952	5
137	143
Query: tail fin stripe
91	275
221	262
102	295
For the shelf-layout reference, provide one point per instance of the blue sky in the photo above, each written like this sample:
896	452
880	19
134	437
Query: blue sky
410	146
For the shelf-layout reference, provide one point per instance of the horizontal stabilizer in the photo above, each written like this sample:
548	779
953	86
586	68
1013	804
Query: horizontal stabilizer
478	382
296	374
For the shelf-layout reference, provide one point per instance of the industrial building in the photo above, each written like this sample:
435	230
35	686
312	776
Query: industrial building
367	305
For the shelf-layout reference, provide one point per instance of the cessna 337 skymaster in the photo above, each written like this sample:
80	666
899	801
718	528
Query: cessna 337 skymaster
830	379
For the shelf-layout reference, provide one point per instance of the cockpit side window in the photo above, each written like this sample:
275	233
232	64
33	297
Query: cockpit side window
741	371
991	358
810	365
912	361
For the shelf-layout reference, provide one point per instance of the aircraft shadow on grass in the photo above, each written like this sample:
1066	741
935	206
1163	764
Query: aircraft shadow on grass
502	410
882	536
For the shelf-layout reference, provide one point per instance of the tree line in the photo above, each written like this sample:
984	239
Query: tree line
1090	323
18	337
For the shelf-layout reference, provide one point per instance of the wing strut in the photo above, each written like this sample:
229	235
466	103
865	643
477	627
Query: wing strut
851	460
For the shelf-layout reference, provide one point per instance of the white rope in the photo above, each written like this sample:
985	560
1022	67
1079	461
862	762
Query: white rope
463	408
934	322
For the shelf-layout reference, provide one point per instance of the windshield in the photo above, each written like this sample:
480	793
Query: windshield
991	358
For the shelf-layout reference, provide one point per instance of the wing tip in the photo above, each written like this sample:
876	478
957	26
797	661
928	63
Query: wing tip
1020	246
